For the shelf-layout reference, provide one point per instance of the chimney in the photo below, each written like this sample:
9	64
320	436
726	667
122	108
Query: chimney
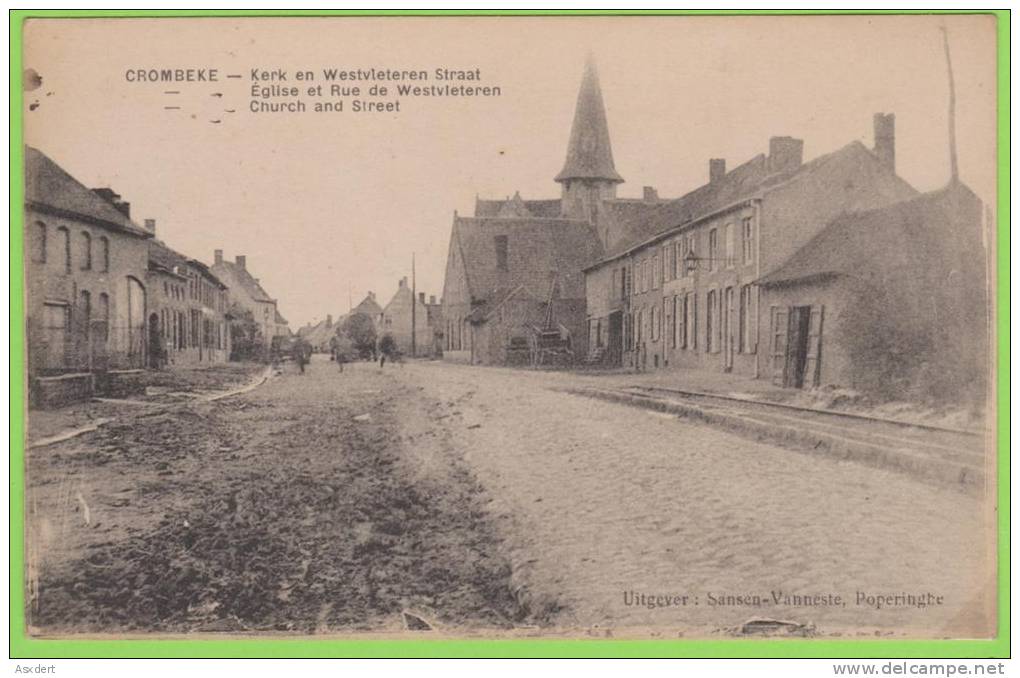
432	300
651	195
329	320
716	169
421	297
242	261
112	197
402	282
785	153
885	139
150	224
218	256
371	295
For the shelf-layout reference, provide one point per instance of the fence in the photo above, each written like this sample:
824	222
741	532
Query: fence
62	344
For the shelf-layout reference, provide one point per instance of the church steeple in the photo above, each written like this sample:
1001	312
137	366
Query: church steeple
589	155
588	175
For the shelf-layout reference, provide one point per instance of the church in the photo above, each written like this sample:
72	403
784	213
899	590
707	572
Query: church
514	290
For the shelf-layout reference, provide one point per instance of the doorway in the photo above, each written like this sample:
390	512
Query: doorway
614	343
728	324
155	342
800	321
797	345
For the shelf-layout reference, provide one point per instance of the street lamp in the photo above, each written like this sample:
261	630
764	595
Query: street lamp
691	261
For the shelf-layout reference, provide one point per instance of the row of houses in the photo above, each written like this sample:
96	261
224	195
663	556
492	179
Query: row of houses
404	316
828	271
106	298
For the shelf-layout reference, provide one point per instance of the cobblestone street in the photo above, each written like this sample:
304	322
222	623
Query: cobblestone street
482	499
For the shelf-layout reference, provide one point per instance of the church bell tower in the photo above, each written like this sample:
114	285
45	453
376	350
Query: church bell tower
588	176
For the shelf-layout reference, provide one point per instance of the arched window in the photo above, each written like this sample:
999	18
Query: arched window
85	309
64	237
39	244
103	317
86	251
104	253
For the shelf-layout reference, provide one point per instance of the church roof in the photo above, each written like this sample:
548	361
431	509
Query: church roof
589	154
549	209
48	187
537	251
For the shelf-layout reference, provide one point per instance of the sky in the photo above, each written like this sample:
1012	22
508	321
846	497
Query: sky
327	206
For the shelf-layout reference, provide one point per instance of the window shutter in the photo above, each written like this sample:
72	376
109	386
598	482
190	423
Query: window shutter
780	328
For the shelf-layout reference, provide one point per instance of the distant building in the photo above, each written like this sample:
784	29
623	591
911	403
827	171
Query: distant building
437	326
397	319
188	320
681	289
368	306
318	335
250	296
85	273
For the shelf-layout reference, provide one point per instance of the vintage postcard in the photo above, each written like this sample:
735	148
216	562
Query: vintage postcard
521	326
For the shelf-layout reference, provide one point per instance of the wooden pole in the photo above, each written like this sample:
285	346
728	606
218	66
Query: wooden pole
954	173
414	307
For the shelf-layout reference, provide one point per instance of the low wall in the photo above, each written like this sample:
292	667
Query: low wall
51	392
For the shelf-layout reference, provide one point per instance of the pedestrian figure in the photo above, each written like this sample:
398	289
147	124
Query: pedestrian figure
387	349
340	360
302	352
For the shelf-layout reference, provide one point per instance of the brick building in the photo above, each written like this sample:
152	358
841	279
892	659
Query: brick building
85	274
679	288
188	320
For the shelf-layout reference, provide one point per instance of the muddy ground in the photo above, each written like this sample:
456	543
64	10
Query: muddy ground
285	509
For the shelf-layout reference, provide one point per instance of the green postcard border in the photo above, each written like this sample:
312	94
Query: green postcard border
21	646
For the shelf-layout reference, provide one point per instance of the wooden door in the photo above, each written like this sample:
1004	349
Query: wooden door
813	361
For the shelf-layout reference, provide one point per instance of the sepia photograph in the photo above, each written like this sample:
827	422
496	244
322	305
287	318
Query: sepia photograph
510	327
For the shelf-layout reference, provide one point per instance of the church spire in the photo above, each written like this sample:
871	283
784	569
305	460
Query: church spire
589	155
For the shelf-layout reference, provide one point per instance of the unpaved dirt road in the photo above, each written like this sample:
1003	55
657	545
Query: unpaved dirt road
284	509
481	499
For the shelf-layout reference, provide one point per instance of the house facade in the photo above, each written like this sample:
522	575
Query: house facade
189	319
248	295
405	315
682	292
85	275
891	301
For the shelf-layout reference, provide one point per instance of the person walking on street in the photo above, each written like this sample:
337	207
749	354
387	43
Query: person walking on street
387	347
302	352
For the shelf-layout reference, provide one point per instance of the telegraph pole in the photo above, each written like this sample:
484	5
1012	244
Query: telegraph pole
414	309
954	172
